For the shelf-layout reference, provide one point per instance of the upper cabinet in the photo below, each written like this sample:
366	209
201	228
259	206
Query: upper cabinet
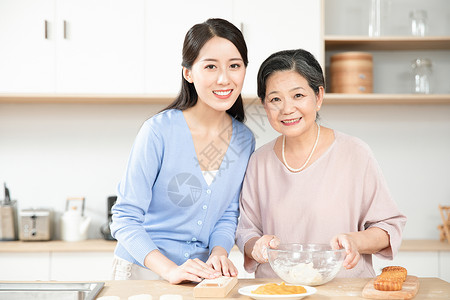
166	25
99	46
130	51
277	25
392	45
271	27
69	46
27	51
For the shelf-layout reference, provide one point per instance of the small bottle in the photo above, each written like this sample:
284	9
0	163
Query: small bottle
418	22
421	69
375	18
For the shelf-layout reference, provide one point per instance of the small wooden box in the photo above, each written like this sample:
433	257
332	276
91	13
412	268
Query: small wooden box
215	288
351	72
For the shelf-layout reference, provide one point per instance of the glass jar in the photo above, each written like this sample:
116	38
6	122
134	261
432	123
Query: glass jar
421	69
375	18
418	22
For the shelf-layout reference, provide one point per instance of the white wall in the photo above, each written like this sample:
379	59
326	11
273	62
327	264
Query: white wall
49	152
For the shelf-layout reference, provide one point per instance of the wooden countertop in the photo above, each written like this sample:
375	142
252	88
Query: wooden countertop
106	246
342	288
58	246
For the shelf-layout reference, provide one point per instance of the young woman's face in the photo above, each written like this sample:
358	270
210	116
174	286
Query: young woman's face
290	103
217	74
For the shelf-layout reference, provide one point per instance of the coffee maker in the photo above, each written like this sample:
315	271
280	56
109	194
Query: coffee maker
105	230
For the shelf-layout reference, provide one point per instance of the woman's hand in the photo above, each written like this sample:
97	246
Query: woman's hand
192	270
259	251
369	241
220	262
347	242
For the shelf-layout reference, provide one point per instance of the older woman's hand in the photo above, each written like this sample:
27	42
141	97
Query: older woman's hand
259	252
347	242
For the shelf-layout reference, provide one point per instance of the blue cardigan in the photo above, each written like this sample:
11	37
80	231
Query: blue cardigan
163	200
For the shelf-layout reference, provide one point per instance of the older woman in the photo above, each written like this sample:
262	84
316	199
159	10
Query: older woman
312	184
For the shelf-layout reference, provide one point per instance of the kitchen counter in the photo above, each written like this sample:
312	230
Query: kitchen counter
342	288
58	246
103	245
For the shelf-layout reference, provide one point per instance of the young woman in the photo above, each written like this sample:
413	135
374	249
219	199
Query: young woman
177	208
312	184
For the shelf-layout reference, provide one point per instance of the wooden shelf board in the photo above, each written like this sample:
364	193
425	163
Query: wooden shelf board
99	98
361	99
359	43
87	98
330	98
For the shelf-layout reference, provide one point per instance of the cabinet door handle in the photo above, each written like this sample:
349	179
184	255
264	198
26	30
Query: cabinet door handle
65	29
45	29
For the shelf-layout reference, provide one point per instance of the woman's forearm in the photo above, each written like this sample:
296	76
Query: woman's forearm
371	240
159	263
218	250
248	248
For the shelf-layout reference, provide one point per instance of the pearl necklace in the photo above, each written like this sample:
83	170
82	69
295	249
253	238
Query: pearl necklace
309	157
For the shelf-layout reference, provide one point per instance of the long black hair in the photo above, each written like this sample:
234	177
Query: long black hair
194	40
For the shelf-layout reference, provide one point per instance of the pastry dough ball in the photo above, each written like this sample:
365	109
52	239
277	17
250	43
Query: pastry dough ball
141	297
170	297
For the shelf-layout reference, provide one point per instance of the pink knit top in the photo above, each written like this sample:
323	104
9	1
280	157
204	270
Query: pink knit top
343	191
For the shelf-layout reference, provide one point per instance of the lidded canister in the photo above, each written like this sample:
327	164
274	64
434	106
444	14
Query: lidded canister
351	72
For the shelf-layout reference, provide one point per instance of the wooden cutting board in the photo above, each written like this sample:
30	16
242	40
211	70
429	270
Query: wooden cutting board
408	291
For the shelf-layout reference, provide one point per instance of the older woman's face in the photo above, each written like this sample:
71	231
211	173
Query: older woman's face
291	104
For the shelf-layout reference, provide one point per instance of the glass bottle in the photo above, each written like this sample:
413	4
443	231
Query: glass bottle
375	18
418	22
421	69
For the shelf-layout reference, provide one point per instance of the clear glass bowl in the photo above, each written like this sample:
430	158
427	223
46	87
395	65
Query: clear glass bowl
306	264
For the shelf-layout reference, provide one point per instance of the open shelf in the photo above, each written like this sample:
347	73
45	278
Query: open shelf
360	43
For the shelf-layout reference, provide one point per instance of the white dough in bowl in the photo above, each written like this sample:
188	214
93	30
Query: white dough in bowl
305	273
170	297
141	297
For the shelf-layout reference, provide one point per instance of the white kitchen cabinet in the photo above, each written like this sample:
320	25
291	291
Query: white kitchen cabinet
277	25
72	46
81	266
273	27
134	47
102	49
24	266
166	25
444	265
418	263
27	54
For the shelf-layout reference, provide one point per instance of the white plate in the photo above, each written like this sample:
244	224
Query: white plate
247	291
